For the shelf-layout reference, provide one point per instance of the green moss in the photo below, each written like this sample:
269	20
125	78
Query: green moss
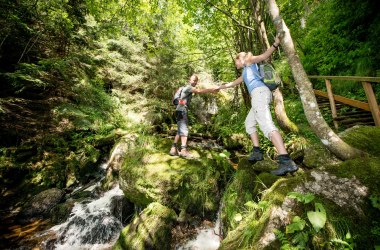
317	155
261	166
342	220
148	230
264	181
365	138
150	174
245	234
367	170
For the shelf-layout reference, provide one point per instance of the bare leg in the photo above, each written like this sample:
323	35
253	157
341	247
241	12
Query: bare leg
173	149
176	138
183	140
255	139
277	141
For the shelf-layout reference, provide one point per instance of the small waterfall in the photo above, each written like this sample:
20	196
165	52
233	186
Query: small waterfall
91	225
207	238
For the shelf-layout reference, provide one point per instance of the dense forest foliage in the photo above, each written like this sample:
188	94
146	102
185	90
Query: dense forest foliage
71	69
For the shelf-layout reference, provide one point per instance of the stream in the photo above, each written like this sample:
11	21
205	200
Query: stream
95	223
92	225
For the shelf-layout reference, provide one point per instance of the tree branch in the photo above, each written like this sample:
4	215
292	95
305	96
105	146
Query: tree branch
230	16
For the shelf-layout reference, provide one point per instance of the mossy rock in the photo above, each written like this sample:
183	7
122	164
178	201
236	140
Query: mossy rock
366	170
342	189
190	184
245	187
150	229
365	138
254	223
265	165
263	181
317	155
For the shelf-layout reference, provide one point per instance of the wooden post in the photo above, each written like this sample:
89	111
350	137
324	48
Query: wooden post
372	102
332	102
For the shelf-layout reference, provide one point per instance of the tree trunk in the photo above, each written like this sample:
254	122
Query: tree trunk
328	137
279	108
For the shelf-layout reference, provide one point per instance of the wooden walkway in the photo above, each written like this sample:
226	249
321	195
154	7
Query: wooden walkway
351	112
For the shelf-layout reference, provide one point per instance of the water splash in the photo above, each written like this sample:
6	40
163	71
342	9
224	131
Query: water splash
207	238
91	225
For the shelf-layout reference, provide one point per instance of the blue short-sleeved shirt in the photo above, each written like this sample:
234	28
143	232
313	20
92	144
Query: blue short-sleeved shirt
251	77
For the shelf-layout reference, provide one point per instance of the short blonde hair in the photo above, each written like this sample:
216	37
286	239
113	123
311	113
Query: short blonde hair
195	76
241	55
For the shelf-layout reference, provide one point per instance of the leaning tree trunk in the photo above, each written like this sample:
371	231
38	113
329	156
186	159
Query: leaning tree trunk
328	137
279	108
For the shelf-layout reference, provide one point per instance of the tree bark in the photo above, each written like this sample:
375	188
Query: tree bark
328	137
279	108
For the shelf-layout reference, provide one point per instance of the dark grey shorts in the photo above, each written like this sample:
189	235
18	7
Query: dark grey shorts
182	122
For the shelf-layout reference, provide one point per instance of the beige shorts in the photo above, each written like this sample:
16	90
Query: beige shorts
260	114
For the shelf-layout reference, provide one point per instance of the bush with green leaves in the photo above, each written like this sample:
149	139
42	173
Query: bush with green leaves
309	230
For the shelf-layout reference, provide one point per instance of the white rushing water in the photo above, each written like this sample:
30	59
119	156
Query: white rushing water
91	225
207	239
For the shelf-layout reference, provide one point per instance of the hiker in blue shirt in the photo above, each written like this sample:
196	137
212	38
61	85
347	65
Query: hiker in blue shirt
260	114
181	115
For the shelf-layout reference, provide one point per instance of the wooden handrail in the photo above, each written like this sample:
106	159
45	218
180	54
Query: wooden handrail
349	78
345	100
366	83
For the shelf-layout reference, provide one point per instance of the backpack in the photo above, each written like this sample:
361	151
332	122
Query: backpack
269	75
177	97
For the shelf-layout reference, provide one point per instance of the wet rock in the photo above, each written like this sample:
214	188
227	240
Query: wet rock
122	208
40	205
61	212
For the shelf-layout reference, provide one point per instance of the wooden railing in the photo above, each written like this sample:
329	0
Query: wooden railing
366	82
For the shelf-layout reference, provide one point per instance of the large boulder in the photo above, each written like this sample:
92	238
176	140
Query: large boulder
151	229
345	192
39	206
317	155
181	184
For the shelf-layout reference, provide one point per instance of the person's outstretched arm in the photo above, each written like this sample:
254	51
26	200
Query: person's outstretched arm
204	91
231	84
266	54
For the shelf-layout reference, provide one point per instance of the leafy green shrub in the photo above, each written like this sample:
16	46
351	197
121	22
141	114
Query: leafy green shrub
302	233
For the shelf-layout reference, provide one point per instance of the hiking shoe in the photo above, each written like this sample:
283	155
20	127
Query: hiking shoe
285	166
256	156
185	153
173	150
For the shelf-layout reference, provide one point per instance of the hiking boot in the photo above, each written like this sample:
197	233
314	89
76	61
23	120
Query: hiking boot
173	150
185	153
256	156
286	165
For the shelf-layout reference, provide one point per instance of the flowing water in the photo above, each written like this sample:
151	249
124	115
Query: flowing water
90	225
207	238
94	224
